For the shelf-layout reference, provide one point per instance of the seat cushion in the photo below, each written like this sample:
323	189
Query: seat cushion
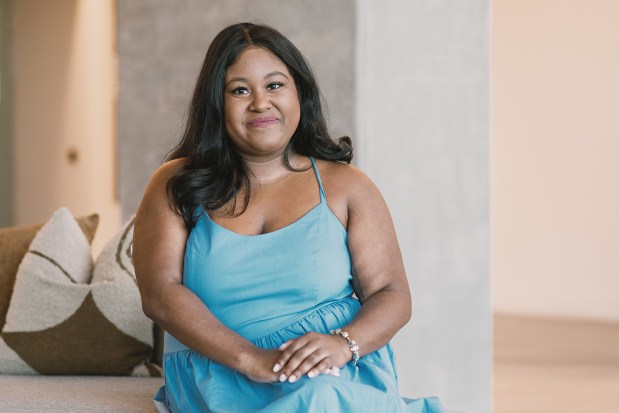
83	394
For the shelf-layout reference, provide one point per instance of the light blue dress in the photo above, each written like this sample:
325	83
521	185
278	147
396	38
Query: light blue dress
271	288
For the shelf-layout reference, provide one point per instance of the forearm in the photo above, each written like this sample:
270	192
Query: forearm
181	313
381	316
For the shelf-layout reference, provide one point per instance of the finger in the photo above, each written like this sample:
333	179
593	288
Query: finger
312	360
281	360
285	345
321	368
292	367
289	349
284	357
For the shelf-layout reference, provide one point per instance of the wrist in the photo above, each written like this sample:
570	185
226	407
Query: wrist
345	350
351	345
244	358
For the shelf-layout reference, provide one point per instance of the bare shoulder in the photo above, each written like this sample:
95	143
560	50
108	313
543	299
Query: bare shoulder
347	189
155	203
159	179
166	171
341	179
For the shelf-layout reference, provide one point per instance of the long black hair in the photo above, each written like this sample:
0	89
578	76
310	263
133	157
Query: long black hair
213	173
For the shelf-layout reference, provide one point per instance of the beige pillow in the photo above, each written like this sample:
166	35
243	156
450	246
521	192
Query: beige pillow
14	242
60	322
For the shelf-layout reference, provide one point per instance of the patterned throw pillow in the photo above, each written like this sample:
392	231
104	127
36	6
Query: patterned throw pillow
62	322
14	242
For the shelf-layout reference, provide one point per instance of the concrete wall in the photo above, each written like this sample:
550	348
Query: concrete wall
161	50
64	92
423	125
555	151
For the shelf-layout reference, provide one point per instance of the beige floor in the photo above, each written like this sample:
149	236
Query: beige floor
555	366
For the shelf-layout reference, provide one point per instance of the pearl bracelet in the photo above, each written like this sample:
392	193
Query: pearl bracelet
352	345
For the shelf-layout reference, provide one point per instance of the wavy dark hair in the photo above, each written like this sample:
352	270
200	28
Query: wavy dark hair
213	173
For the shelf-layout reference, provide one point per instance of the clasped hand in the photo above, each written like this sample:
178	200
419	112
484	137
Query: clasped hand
312	354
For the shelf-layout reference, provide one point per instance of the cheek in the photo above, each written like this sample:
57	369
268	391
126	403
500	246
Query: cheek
231	116
294	111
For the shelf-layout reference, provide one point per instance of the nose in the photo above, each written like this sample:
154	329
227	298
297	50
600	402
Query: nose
260	101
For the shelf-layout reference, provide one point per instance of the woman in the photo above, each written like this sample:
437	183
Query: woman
251	240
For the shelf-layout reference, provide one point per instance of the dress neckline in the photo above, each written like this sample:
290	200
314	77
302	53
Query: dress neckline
285	228
323	201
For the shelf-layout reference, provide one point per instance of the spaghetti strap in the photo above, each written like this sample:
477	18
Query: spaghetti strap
323	197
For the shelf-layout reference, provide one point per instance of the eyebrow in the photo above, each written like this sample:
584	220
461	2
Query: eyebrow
244	79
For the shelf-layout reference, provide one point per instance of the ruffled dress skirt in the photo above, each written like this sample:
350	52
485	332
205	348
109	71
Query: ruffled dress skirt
196	384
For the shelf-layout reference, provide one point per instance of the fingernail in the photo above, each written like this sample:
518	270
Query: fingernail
292	378
276	368
282	377
311	374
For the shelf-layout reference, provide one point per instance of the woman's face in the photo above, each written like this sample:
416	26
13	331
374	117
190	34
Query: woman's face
261	104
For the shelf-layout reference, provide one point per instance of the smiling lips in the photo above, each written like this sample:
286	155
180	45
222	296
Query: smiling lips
262	122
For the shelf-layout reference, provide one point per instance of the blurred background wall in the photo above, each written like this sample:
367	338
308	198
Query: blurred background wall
63	111
555	158
408	82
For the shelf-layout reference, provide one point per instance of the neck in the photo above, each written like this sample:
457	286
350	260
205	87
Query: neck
271	169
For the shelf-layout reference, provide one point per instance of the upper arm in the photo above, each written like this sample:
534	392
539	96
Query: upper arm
372	242
158	239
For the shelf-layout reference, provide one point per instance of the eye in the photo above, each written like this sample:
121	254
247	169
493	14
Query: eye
239	91
274	85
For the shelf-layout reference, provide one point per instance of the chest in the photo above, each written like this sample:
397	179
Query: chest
271	206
